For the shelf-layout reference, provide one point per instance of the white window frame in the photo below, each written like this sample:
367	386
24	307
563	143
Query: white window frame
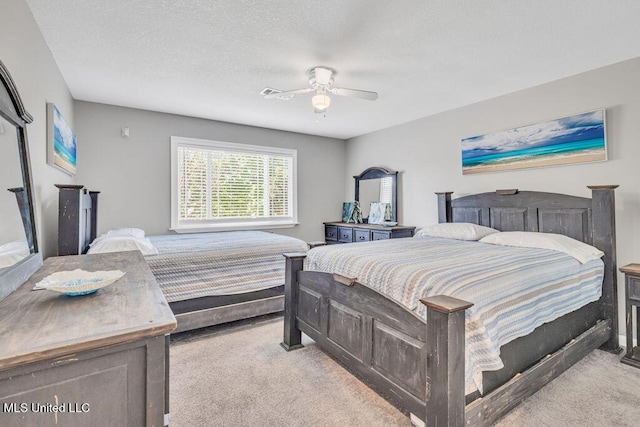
193	226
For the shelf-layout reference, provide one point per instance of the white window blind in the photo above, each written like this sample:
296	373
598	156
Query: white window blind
231	186
385	189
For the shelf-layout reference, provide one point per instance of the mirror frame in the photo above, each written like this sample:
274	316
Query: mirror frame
12	110
380	172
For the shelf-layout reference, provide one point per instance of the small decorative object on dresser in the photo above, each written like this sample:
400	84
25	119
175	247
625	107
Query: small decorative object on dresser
379	212
351	212
632	299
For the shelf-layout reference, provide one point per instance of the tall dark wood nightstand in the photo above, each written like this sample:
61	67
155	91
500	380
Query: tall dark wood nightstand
632	299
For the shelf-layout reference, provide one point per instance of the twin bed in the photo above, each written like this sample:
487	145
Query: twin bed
213	278
452	333
207	278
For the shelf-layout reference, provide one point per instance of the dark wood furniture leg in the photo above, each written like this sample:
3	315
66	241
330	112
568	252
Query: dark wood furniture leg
292	339
167	410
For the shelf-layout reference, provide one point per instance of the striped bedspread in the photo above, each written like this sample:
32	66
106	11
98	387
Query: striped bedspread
205	264
514	290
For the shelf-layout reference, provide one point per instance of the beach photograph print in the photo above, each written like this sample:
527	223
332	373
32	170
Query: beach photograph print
61	142
575	139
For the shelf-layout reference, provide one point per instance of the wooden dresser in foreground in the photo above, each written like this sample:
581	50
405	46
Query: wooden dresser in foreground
343	232
99	359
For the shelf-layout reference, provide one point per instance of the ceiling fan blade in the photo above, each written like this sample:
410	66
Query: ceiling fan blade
288	94
354	93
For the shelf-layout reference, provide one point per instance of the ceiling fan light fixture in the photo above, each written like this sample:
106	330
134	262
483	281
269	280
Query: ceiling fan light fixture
320	102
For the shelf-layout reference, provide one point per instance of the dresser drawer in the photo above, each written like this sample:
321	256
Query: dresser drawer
381	235
331	233
361	235
633	288
345	234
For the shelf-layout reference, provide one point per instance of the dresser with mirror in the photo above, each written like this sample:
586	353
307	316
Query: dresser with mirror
97	359
373	186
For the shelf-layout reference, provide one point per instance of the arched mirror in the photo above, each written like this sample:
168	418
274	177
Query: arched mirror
377	185
19	255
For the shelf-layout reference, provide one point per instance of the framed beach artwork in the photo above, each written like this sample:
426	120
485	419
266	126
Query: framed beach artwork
575	139
351	212
61	142
379	212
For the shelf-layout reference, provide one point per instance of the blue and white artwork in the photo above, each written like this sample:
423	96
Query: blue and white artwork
62	142
379	212
351	212
575	139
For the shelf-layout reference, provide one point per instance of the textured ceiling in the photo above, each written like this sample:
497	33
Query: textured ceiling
209	59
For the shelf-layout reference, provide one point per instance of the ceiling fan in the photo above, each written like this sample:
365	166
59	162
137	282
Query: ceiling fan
321	82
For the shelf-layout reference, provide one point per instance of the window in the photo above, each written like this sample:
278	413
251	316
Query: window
226	186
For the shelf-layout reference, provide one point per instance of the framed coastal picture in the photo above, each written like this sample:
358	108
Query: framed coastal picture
575	139
61	142
379	212
351	212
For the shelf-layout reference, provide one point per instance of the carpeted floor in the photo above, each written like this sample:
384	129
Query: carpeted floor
239	375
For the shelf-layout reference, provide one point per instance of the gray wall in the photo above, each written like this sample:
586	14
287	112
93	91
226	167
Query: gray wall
427	151
36	74
133	174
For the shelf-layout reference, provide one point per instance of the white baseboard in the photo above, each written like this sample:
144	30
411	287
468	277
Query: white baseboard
416	421
623	341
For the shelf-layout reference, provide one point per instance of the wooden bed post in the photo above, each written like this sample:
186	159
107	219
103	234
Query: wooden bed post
93	229
444	207
292	339
445	361
604	238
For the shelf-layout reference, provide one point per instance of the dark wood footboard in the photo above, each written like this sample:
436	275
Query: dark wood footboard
417	365
377	339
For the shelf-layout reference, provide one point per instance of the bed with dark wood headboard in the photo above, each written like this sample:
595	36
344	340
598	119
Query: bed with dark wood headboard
419	365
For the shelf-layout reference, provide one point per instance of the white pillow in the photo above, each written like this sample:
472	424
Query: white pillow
558	242
105	244
132	233
137	233
457	230
12	252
